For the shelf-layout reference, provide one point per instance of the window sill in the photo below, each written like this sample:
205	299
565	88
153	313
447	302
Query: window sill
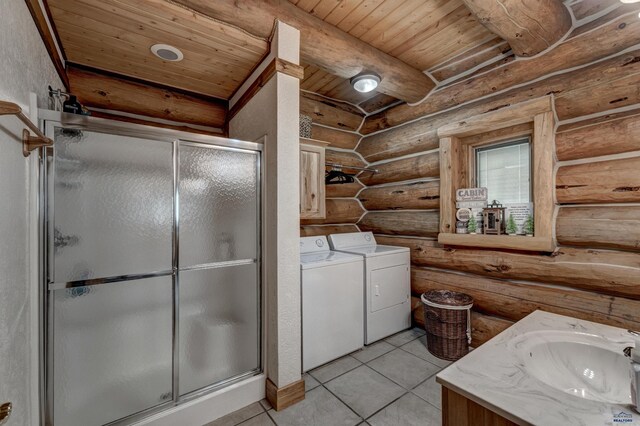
519	242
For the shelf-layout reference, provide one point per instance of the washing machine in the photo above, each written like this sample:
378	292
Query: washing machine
332	286
387	295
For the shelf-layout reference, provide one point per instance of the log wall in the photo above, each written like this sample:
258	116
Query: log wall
595	273
336	122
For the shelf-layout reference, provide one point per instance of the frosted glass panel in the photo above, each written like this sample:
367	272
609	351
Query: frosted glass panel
505	171
218	205
113	205
112	350
218	325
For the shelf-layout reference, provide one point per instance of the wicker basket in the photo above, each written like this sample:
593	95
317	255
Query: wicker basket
305	126
447	321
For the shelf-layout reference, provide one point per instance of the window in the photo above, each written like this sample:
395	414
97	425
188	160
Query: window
510	151
505	170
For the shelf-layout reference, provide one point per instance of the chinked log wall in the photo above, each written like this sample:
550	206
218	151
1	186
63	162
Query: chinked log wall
337	123
595	273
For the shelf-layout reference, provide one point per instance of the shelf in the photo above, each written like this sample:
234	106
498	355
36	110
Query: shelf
519	242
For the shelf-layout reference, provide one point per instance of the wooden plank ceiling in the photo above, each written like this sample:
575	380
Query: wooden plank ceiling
438	36
426	34
116	35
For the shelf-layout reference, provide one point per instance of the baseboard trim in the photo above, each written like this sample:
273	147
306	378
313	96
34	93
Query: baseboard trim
281	398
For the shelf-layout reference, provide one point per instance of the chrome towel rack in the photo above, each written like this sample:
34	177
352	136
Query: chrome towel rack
29	142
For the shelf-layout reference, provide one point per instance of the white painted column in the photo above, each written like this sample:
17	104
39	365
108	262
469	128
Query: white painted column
272	116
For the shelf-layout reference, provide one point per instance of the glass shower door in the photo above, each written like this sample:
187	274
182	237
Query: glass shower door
219	295
110	276
152	252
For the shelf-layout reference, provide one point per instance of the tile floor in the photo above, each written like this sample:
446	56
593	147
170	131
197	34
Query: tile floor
391	382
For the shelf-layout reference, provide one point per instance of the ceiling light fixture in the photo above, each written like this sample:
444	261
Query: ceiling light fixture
630	1
167	52
366	81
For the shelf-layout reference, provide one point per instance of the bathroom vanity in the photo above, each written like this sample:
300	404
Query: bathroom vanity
547	369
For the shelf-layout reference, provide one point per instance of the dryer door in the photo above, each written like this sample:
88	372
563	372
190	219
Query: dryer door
387	287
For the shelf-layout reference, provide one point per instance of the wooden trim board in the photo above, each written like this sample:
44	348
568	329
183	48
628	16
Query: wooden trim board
281	398
518	242
49	39
276	65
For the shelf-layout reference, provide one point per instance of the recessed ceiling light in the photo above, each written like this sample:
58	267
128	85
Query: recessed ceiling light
629	1
366	82
167	52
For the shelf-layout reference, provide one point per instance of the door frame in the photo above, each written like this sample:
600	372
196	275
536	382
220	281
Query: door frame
51	119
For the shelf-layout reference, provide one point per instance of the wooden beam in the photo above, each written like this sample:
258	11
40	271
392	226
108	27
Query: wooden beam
48	38
529	27
413	223
343	190
336	138
313	230
611	181
401	140
339	210
321	43
603	271
345	159
515	301
416	195
606	135
599	227
421	166
606	40
111	92
511	116
336	114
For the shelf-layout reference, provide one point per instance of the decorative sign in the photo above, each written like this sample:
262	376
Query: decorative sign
461	227
471	194
471	204
519	211
463	215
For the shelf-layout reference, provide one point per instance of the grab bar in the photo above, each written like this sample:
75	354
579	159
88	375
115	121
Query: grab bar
29	143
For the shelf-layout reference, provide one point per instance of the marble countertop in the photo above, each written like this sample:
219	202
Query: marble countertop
494	376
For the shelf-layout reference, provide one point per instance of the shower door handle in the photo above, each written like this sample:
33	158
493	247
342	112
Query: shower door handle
5	412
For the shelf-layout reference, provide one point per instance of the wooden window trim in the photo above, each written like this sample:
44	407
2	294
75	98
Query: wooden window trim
457	143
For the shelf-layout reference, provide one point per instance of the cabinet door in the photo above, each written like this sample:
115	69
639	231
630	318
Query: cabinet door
312	193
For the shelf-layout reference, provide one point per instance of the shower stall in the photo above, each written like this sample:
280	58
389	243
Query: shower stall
151	269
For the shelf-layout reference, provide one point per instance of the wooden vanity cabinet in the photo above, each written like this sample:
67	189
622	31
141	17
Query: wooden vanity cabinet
457	410
312	189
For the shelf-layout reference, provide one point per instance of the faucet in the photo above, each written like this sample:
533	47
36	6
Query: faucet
634	354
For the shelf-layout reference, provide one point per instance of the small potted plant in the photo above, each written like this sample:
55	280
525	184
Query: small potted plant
528	226
472	225
512	228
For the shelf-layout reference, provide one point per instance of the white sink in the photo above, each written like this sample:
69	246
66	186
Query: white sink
581	364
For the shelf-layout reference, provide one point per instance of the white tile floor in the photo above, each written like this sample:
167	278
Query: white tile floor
391	382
